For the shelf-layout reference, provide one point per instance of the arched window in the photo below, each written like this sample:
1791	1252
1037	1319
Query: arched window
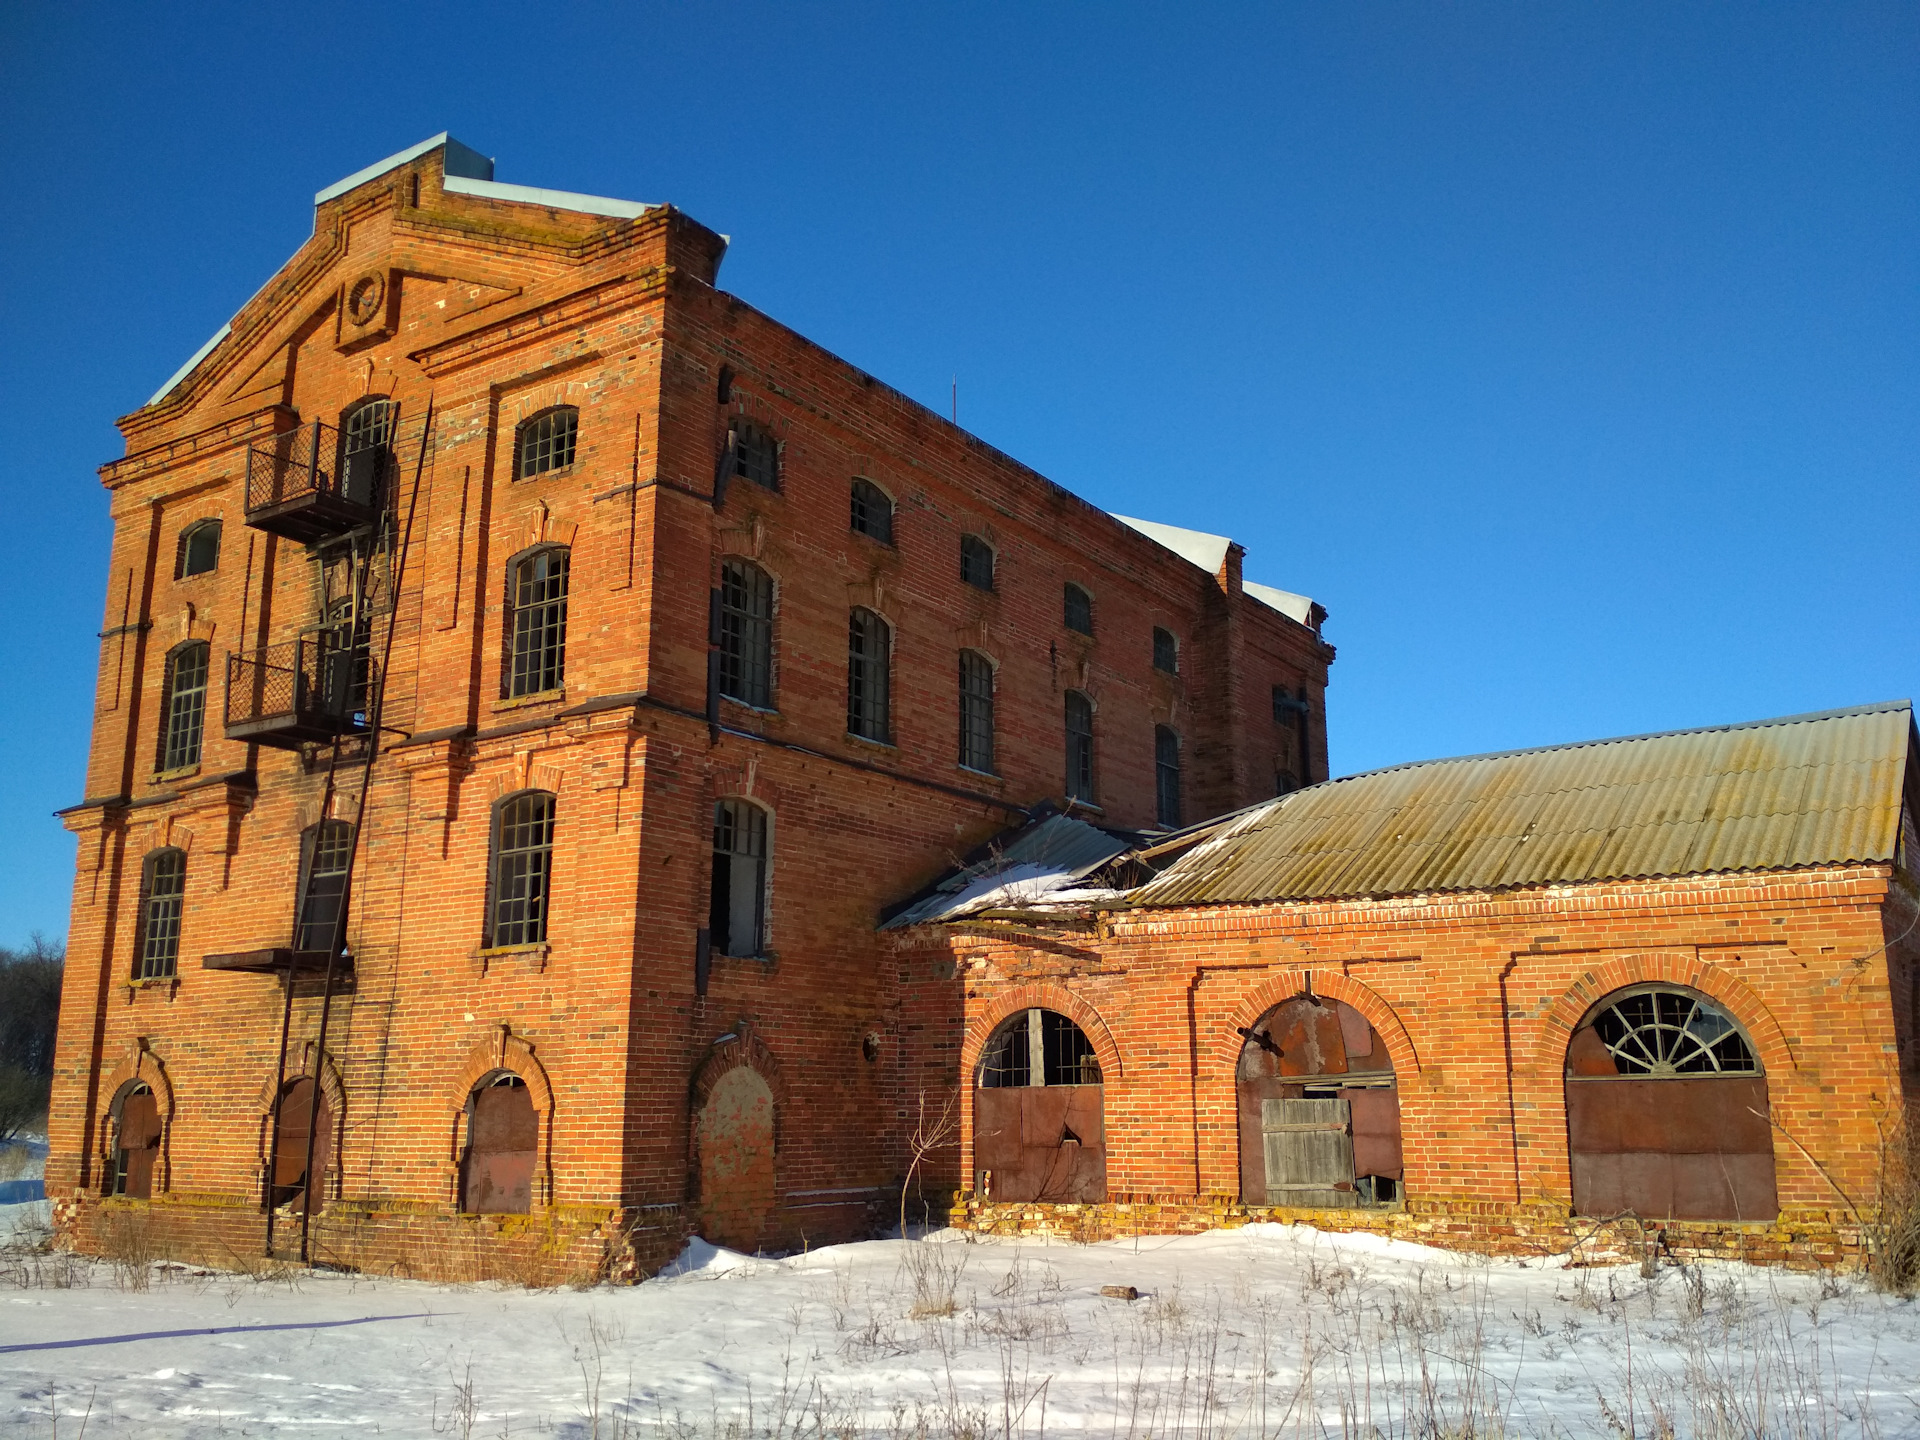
199	552
1667	1111
163	887
183	706
1319	1111
136	1142
872	512
976	711
546	442
1166	651
869	698
756	455
366	441
295	1121
1166	775
737	912
326	850
746	633
976	562
1079	610
1079	747
503	1148
522	869
1039	1113
537	626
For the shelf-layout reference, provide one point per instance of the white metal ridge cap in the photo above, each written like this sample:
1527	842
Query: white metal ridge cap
484	188
462	160
1196	547
192	360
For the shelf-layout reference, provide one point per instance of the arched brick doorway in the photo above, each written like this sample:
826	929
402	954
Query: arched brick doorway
503	1148
1667	1111
735	1135
292	1117
1319	1109
1039	1113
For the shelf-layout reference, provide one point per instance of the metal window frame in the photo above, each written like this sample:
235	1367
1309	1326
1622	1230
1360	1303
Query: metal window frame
1078	705
869	675
183	712
546	442
1171	649
184	550
756	455
1068	595
1166	775
972	549
977	683
330	840
537	623
746	634
871	511
743	832
533	877
161	913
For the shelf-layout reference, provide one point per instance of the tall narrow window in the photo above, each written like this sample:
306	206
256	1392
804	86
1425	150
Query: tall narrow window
183	706
756	455
522	869
163	888
326	849
366	435
546	442
199	550
1079	608
976	562
746	633
1166	772
737	915
869	699
1166	651
976	711
538	634
872	512
1079	747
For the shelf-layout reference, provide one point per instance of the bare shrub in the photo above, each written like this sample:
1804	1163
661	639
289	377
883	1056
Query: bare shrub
935	1270
129	1242
1893	1234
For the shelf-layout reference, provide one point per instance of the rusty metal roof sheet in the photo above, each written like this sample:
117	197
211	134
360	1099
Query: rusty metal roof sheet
1818	789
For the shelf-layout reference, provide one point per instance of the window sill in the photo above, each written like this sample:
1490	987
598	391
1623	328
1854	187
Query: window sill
558	472
184	772
534	956
750	707
983	774
1074	802
166	985
539	697
867	740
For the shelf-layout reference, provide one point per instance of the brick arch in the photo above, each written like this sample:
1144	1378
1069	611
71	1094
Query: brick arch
1332	985
138	1064
300	1064
1685	971
514	1055
1041	995
740	1049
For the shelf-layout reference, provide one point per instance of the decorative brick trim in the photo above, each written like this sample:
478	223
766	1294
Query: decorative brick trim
1043	995
509	1054
1334	985
138	1064
1682	968
300	1064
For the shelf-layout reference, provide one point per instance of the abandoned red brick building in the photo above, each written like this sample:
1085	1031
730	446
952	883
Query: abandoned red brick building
1494	1000
528	673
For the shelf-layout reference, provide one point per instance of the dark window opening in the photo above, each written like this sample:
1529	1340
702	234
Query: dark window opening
538	624
183	706
1039	1113
1079	610
366	440
872	512
199	549
976	562
327	851
1079	747
976	711
522	869
1166	774
869	703
503	1148
746	633
738	903
1038	1043
756	456
136	1144
1166	651
163	894
546	442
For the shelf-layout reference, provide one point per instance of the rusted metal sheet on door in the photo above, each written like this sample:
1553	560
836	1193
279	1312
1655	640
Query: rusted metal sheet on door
1042	1142
1682	1148
501	1151
140	1139
290	1160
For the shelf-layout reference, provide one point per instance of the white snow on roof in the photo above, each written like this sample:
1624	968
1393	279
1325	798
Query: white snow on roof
552	199
1209	552
1295	607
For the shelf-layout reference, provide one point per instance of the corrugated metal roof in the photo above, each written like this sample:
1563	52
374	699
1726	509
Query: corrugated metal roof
1818	789
1021	868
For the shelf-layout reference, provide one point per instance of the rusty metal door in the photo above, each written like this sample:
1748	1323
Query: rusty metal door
1041	1143
139	1144
1680	1147
503	1140
290	1158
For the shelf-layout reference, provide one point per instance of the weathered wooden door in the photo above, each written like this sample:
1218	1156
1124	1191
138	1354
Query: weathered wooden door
139	1144
1308	1146
503	1142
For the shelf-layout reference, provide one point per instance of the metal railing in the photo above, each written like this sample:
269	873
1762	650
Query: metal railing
311	688
309	464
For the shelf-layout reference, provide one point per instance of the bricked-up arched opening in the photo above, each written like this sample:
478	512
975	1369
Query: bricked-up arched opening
291	1118
503	1147
136	1142
1667	1111
1319	1108
735	1136
1039	1113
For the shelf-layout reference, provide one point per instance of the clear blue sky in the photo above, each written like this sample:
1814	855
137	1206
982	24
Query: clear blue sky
1566	352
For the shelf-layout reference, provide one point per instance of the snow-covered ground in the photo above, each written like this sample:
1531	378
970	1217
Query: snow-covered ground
1266	1331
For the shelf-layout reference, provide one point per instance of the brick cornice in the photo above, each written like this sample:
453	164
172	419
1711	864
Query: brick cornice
607	297
228	435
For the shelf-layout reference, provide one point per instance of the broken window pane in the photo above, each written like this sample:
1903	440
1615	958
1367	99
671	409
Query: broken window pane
538	661
737	910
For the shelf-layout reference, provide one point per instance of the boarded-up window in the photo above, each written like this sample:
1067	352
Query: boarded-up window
1319	1111
136	1143
503	1143
1039	1128
1667	1112
294	1121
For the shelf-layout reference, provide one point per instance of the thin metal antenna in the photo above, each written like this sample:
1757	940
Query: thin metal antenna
956	399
